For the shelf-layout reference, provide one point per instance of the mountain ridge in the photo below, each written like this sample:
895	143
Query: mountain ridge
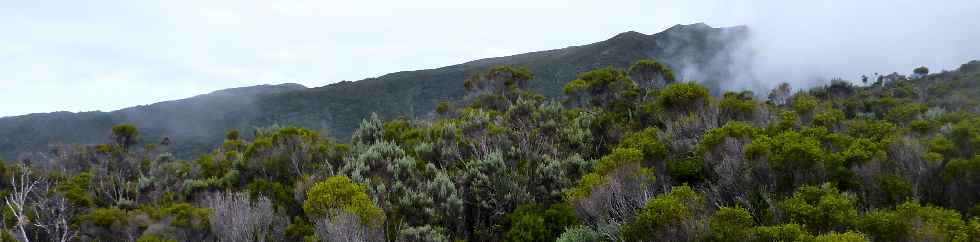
336	109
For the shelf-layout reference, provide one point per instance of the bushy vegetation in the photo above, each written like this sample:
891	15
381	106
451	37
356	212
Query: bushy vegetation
628	155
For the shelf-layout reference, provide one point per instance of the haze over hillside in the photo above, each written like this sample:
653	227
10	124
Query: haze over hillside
697	51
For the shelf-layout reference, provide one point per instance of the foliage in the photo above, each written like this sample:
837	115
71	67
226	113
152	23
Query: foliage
821	209
338	193
730	224
683	95
664	214
539	223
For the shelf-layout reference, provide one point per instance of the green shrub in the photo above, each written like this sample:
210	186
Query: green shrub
539	223
579	233
683	95
912	221
783	232
841	237
730	224
340	193
106	217
821	209
663	211
647	142
687	170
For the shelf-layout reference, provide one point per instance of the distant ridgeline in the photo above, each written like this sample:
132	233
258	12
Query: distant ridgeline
193	125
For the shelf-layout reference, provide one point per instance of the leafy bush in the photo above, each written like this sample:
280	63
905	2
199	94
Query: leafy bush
539	223
821	209
683	96
664	216
730	224
339	193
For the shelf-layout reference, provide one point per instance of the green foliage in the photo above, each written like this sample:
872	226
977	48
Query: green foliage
618	158
804	104
647	142
76	190
539	223
299	229
738	106
829	118
663	211
687	170
840	237
5	236
905	113
106	217
782	232
185	215
966	135
500	79
730	224
579	233
647	72
683	95
154	238
922	70
125	135
821	209
609	88
912	221
735	129
962	169
335	193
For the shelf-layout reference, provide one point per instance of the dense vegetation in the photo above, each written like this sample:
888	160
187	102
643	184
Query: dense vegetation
627	155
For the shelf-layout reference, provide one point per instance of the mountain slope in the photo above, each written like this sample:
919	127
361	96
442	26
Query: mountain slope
695	51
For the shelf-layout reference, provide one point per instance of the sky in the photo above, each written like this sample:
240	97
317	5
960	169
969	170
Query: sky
106	55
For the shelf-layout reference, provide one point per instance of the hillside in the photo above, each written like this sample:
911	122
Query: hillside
894	158
696	52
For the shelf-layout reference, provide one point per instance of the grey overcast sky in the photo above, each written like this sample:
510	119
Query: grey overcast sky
106	55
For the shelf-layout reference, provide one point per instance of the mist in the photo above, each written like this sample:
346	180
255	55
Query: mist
808	43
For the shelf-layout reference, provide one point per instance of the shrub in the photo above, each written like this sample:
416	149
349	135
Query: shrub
664	216
730	224
821	209
539	223
783	232
646	141
338	193
841	237
579	233
683	95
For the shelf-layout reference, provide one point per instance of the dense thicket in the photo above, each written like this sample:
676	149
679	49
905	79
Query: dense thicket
626	155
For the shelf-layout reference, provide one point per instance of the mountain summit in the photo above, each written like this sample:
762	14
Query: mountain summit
695	52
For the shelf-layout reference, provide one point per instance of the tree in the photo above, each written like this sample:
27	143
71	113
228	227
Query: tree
534	222
609	88
651	74
339	194
125	135
343	211
667	217
779	96
499	80
20	198
921	71
730	224
683	96
821	209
